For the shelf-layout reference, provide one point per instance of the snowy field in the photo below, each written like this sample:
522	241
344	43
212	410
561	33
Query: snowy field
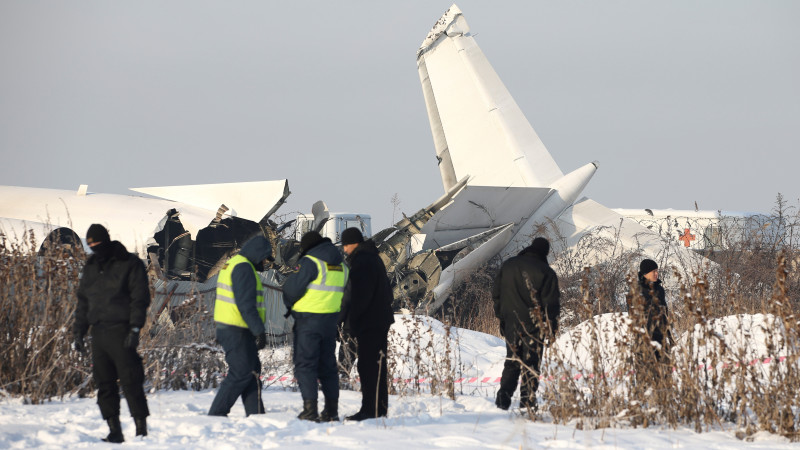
416	420
178	420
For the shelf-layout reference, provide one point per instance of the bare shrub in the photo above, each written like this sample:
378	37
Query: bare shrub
470	304
37	297
736	330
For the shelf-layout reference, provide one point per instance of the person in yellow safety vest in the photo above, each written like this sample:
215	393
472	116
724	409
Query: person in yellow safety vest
313	295
239	314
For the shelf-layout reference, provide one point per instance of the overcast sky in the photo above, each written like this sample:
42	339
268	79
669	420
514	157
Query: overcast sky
679	101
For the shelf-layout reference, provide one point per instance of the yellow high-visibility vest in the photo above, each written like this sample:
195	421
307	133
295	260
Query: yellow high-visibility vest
324	293
225	310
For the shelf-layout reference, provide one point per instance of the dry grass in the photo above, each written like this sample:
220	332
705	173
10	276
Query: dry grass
707	380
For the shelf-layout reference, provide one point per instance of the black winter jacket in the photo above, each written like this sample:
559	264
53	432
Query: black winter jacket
512	297
655	309
112	291
296	284
367	302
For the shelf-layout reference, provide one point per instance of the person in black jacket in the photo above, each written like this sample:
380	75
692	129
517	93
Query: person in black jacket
527	301
655	305
239	314
113	297
368	299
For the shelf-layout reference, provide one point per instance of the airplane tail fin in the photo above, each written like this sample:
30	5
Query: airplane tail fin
477	127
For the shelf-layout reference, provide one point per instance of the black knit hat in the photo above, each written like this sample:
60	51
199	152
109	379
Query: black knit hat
352	236
540	246
97	233
647	266
309	240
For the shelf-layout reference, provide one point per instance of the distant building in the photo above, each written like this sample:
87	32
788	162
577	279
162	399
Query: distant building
709	230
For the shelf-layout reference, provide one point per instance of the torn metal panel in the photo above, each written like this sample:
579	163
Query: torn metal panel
412	281
473	253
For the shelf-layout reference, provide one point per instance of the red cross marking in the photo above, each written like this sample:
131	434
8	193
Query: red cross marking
686	237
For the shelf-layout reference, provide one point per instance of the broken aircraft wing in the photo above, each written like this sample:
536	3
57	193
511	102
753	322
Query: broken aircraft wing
246	200
188	222
129	219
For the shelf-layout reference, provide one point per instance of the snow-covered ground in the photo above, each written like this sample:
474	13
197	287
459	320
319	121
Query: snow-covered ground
178	420
416	420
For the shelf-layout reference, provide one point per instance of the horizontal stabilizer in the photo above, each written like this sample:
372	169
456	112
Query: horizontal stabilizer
479	208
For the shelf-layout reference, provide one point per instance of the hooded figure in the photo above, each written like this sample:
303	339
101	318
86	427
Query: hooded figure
239	313
528	302
113	297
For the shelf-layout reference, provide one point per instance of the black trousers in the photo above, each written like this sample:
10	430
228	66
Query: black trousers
315	355
372	369
111	362
244	369
525	351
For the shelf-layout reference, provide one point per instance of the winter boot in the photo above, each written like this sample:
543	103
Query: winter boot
309	411
359	416
331	411
115	431
141	425
503	400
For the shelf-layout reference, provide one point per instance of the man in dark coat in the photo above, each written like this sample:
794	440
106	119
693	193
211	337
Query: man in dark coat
655	305
527	302
239	315
369	315
113	297
313	296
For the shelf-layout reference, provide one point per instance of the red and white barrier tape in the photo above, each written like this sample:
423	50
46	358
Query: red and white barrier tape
542	378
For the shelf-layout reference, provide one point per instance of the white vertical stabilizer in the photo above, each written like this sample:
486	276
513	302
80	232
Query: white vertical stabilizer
477	127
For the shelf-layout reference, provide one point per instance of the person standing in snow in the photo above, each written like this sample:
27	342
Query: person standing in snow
368	317
239	313
528	302
655	306
113	296
313	296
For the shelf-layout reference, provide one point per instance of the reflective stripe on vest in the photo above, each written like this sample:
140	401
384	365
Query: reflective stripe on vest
324	293
225	310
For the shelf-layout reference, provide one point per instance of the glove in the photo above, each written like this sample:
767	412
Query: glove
77	344
261	341
132	339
